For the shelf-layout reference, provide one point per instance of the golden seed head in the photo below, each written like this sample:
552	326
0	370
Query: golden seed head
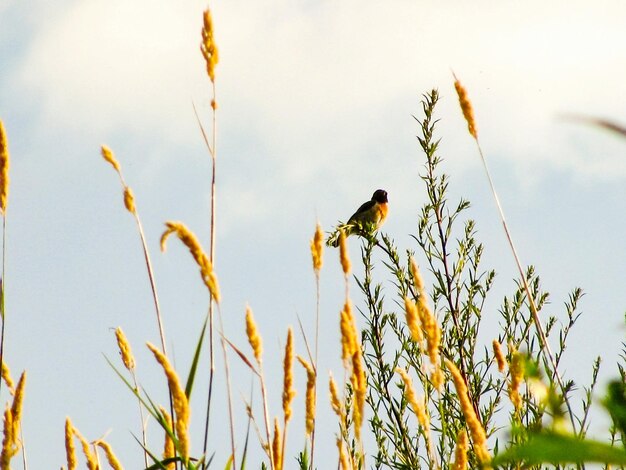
346	266
6	376
277	446
70	449
310	394
4	169
349	340
466	107
479	437
202	260
417	276
18	399
253	336
288	391
499	355
208	46
107	154
460	452
111	458
418	405
413	320
343	456
516	376
335	401
125	351
90	457
9	448
181	403
359	384
317	249
129	200
169	450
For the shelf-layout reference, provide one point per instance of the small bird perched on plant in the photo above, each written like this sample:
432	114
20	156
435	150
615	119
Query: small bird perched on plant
368	218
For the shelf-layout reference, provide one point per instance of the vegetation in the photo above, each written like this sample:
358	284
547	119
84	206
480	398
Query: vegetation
419	377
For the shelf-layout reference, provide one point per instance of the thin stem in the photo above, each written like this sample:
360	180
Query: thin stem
545	347
228	388
266	417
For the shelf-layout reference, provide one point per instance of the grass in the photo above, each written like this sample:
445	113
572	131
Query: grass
420	387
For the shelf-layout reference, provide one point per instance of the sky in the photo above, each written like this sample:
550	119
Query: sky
315	111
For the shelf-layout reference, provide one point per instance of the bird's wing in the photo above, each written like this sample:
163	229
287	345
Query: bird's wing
364	208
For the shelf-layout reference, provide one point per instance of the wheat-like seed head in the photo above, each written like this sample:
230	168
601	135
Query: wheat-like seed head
310	395
335	401
419	408
417	276
288	391
346	266
125	351
413	320
499	355
516	376
359	384
90	457
70	449
460	451
4	169
253	336
6	376
208	46
349	340
110	455
479	437
129	200
8	439
108	155
169	450
466	107
317	249
181	403
202	260
344	461
277	446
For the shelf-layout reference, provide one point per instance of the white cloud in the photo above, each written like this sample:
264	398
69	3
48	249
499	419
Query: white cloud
318	85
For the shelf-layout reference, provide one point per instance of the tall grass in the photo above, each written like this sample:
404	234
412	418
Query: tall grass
420	386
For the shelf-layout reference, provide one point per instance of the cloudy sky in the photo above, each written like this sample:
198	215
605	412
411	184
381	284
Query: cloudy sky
315	112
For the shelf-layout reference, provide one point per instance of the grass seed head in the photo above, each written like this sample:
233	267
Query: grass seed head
419	408
413	320
107	154
288	391
479	437
181	403
208	47
189	239
460	451
169	450
253	336
4	169
6	376
125	351
110	455
70	449
346	266
277	446
310	395
499	355
466	107
317	249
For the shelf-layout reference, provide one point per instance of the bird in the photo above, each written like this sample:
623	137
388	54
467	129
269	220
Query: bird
367	218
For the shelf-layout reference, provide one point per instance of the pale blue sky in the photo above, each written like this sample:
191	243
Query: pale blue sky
315	104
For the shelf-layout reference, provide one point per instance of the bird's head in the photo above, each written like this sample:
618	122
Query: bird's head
380	196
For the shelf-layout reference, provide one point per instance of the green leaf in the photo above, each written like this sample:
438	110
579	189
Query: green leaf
556	448
194	363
